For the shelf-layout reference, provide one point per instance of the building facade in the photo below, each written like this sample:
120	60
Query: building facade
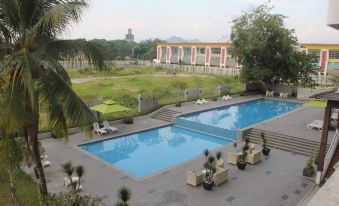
202	54
326	54
129	35
219	55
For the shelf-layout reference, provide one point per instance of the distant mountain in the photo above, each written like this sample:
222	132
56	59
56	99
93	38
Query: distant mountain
176	39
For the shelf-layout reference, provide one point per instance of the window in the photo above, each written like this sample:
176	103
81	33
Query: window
201	50
334	54
216	50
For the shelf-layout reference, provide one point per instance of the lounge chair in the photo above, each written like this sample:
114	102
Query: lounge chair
204	101
283	95
220	176
334	116
227	98
194	178
232	158
108	127
316	124
199	102
97	129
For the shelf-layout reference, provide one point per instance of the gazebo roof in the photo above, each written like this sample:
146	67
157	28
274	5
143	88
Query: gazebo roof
331	95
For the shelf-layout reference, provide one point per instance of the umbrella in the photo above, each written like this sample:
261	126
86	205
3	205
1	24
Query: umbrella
109	106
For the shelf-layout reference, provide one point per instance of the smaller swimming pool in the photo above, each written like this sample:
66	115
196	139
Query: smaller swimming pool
145	153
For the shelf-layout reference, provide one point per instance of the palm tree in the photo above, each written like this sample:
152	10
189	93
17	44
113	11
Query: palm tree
124	195
32	78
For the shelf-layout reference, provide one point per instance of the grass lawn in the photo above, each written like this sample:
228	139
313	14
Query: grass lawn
125	84
316	103
27	189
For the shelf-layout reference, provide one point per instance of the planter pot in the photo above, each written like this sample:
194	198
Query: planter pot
215	99
241	165
308	172
178	104
208	185
128	120
266	151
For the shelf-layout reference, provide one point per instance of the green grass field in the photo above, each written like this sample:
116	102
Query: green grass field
125	84
27	189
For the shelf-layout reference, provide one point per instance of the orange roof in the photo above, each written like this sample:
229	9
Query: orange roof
227	45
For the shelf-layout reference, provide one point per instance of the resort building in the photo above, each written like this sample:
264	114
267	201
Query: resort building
202	54
219	55
327	55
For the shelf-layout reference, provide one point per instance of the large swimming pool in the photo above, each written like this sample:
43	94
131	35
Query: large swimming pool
225	121
147	152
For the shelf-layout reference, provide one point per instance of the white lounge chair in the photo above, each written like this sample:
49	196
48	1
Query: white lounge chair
97	129
316	124
199	102
204	101
108	127
227	98
269	94
46	163
283	95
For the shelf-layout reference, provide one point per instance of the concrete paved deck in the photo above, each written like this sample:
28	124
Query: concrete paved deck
274	181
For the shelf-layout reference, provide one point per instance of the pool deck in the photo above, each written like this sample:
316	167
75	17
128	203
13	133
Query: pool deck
274	181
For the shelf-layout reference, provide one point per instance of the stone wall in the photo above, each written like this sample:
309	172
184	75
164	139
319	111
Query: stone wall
147	102
222	90
280	88
306	92
192	94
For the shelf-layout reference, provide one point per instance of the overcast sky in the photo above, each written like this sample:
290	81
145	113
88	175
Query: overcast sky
206	20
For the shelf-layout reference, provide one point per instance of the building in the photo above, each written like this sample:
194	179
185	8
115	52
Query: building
203	54
327	55
333	14
129	35
219	55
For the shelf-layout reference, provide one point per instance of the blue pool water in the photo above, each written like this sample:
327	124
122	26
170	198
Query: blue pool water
226	120
147	152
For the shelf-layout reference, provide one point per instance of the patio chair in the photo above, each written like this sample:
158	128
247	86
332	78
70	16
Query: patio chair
253	157
232	158
97	129
283	95
108	127
316	124
227	98
194	178
334	115
46	163
220	163
269	94
67	181
220	176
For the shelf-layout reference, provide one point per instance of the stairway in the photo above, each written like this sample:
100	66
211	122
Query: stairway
284	142
165	115
334	160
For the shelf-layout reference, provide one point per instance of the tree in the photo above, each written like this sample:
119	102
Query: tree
267	50
32	77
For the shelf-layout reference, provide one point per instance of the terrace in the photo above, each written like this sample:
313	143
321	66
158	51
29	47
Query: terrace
257	185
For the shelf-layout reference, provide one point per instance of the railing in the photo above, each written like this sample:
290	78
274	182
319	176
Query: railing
330	152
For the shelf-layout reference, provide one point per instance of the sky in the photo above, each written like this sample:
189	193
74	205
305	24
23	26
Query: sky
206	20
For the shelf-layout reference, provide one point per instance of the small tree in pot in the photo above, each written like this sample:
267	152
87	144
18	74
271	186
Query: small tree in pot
265	149
242	157
210	169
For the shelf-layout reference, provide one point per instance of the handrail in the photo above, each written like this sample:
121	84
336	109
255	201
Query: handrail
331	152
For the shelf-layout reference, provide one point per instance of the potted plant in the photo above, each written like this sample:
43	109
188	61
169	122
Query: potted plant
265	149
215	99
308	171
210	169
124	195
242	157
128	120
178	104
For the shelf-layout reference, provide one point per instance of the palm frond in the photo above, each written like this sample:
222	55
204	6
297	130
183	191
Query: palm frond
92	52
58	16
60	96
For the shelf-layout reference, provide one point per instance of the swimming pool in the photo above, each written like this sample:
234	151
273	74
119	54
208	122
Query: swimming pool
145	153
225	121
